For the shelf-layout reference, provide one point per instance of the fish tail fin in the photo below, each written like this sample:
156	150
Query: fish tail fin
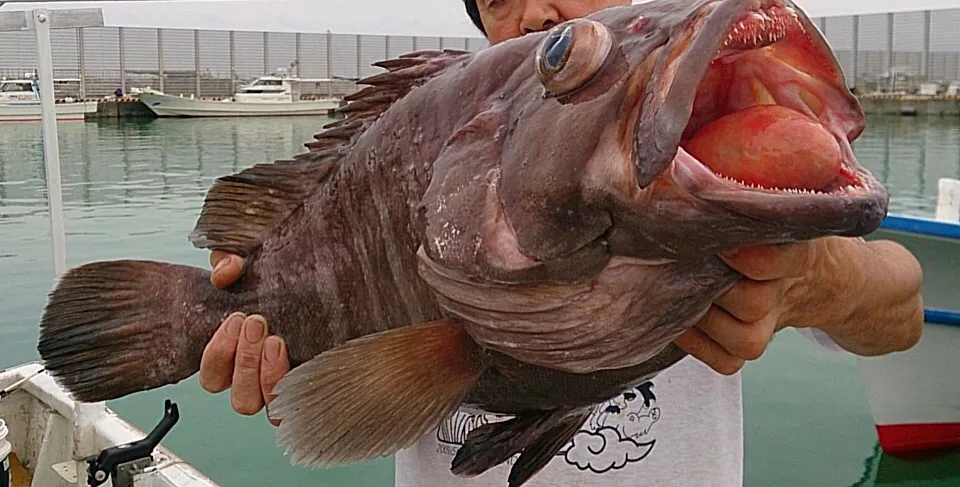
536	436
375	395
117	327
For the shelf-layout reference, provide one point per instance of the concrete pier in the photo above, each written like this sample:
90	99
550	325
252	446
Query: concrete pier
120	108
911	105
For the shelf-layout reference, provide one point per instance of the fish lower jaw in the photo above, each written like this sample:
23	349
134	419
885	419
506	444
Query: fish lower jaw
691	174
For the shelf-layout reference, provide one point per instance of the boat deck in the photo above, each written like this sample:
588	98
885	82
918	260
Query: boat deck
20	476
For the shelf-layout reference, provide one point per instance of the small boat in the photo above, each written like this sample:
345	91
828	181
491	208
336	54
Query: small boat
914	396
275	95
47	431
20	101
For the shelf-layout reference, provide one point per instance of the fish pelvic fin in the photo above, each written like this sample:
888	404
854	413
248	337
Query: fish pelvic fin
375	395
537	436
113	328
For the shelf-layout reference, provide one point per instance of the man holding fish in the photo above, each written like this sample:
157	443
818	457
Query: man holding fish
844	293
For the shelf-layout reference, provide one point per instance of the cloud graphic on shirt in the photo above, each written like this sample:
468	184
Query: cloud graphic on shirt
605	450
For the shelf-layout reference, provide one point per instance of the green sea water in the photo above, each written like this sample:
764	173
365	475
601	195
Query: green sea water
133	190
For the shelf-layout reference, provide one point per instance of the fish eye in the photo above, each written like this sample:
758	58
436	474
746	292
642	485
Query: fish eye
571	53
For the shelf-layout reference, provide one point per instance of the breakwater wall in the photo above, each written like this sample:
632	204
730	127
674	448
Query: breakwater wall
911	105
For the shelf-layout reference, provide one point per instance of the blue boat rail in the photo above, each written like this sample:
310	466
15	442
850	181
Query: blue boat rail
941	317
922	226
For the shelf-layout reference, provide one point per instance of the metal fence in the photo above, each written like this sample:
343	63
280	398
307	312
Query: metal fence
878	52
208	63
896	51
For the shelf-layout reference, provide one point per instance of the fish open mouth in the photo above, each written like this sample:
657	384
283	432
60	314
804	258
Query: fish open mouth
771	114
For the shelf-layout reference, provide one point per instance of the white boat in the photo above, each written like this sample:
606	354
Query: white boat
20	102
914	396
275	95
43	425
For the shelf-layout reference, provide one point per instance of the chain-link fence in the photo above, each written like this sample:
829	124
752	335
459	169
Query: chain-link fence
895	52
94	62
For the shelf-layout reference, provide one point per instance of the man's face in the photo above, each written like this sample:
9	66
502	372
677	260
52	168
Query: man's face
506	19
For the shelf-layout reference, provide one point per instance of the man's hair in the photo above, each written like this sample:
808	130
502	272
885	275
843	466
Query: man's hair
474	14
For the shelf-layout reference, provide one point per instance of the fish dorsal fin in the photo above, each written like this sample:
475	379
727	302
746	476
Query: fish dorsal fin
241	209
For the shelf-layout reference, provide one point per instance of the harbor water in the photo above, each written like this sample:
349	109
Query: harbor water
134	190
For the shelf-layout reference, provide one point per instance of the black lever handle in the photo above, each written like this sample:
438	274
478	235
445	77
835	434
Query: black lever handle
106	463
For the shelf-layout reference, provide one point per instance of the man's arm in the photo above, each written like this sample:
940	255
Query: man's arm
864	295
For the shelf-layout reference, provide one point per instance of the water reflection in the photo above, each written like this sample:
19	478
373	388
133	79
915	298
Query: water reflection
909	155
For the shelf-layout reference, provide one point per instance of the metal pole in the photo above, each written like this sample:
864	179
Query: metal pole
123	68
51	146
160	57
196	61
266	53
926	46
298	54
82	62
855	72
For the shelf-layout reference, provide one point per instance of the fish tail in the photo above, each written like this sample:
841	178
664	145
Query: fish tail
117	327
375	395
536	436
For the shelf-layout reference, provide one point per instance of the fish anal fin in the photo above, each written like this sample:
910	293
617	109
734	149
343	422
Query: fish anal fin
240	209
375	395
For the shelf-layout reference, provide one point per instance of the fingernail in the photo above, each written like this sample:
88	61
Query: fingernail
220	265
234	323
253	330
271	349
730	252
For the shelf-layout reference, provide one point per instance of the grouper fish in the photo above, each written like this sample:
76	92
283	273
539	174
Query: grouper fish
524	230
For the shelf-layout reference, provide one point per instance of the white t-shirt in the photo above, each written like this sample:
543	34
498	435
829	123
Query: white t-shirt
683	428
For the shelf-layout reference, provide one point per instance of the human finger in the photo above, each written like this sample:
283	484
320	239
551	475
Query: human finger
746	341
227	268
275	365
751	301
705	349
246	396
768	262
216	363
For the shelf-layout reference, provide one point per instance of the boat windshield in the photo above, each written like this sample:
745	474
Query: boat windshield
16	86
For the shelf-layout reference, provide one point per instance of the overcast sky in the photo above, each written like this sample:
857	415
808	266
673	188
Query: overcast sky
399	17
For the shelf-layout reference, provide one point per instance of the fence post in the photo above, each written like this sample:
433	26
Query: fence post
297	54
233	62
123	55
890	49
160	59
329	64
82	64
386	47
266	53
855	73
359	37
926	45
196	60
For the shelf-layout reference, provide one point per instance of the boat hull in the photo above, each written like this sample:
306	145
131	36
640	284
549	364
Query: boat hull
914	396
175	106
30	111
40	417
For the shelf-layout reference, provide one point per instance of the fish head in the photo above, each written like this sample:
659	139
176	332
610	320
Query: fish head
670	129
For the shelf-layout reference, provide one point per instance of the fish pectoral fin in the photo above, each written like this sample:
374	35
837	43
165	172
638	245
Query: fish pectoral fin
374	395
536	436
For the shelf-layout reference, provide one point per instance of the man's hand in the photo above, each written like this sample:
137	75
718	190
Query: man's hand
242	355
866	296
